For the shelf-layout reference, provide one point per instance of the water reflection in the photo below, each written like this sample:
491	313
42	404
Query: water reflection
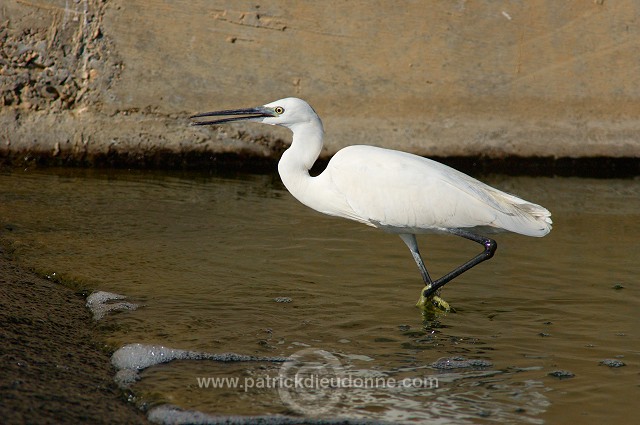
208	257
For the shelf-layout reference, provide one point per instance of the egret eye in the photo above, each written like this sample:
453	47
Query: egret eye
278	110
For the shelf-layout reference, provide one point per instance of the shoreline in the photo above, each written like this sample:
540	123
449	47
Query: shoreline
54	368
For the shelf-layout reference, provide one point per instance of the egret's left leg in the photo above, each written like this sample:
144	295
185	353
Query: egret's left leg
490	247
431	300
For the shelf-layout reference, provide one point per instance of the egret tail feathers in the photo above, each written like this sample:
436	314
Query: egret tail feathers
520	216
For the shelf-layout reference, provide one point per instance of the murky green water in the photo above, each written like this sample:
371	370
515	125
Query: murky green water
208	255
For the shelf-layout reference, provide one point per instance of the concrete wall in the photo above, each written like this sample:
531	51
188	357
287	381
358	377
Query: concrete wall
440	78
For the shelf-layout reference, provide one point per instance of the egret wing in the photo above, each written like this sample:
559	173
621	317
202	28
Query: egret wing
401	192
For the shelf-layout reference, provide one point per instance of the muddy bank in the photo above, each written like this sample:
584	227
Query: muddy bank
113	82
54	369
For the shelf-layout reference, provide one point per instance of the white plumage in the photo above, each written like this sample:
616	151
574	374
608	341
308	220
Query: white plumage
400	192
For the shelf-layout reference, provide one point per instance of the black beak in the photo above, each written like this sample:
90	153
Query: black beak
245	114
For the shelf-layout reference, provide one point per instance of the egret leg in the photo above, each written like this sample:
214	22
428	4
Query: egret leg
490	247
432	301
412	243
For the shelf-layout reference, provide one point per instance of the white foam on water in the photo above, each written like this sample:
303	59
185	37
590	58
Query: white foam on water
140	356
100	303
132	358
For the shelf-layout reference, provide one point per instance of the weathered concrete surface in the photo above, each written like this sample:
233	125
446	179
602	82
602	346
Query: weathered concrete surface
88	79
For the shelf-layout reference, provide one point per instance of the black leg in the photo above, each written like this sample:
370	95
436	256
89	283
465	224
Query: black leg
490	247
411	242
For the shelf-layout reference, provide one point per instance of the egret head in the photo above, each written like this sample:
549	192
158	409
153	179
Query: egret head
285	112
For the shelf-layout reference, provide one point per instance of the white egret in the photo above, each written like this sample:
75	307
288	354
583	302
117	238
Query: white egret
391	190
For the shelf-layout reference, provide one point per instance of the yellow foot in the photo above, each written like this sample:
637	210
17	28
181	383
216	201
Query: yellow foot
432	303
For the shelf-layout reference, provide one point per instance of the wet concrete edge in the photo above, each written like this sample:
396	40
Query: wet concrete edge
546	166
55	369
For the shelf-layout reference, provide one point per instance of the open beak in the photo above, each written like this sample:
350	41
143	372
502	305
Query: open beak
244	114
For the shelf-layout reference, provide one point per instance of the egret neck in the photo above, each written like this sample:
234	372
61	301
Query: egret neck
295	163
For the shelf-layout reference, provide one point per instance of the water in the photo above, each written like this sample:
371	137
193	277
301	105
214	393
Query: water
224	264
